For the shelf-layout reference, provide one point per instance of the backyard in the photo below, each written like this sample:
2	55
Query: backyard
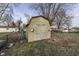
25	29
60	44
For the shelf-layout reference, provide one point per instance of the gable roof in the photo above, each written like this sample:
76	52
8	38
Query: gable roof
37	17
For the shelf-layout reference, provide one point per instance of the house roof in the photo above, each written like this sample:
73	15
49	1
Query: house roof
7	26
37	17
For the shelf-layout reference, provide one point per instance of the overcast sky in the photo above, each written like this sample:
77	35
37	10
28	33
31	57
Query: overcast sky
20	10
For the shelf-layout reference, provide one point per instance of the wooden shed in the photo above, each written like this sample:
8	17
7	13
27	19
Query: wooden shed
38	28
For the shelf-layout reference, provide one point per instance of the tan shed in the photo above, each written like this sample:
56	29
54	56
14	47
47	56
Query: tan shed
38	29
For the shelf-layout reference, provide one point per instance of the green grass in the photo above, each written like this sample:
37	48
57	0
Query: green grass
61	44
4	33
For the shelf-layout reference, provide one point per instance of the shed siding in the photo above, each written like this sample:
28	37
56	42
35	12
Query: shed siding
38	29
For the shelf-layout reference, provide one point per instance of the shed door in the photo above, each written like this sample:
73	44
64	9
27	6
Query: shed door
41	31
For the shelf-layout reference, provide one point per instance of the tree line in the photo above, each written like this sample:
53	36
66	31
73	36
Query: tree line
56	13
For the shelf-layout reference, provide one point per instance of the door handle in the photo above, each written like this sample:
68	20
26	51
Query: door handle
32	30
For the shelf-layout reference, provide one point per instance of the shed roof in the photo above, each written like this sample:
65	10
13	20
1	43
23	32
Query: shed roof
37	17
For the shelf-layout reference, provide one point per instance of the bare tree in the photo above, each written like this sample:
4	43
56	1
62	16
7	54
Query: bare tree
13	24
60	19
68	22
63	20
27	17
6	12
52	10
3	8
18	24
47	10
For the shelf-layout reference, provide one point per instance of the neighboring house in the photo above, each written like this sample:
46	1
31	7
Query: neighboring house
53	27
8	29
62	29
65	30
38	28
74	29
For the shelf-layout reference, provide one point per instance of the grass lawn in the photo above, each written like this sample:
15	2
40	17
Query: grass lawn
61	44
4	33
